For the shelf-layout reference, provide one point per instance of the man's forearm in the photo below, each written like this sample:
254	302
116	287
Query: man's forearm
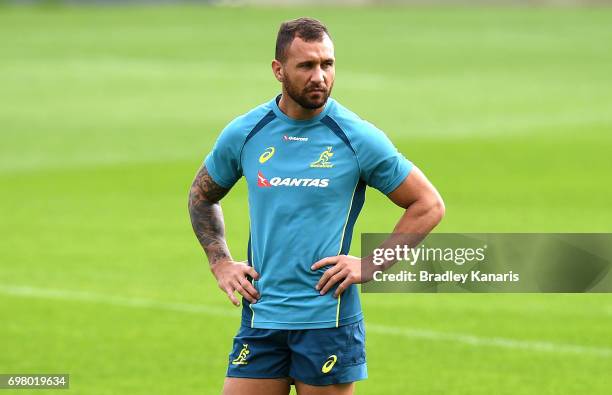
207	216
419	219
414	225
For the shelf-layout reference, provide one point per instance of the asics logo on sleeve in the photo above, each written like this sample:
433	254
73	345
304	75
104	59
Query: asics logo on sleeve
263	182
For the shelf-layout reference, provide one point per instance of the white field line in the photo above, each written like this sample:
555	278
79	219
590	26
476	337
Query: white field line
472	340
529	345
79	296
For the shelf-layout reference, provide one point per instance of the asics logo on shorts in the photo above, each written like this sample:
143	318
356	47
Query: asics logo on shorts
329	364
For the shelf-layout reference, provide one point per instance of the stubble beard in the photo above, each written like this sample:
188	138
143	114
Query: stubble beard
300	96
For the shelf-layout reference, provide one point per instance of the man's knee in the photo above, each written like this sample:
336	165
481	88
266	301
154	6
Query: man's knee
333	389
241	386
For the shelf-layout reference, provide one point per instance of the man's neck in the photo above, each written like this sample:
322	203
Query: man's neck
294	110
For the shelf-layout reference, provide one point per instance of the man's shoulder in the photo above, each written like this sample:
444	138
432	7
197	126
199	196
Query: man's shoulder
244	123
352	124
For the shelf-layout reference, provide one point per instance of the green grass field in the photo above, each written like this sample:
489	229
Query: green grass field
106	114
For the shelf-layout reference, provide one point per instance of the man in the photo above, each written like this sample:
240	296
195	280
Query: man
306	160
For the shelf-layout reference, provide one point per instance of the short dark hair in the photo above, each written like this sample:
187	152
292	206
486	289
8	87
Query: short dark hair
308	29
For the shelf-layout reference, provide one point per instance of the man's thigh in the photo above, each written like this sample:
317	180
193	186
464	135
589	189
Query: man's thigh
334	389
259	354
242	386
328	357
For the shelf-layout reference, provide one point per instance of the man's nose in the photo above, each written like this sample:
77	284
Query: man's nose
318	75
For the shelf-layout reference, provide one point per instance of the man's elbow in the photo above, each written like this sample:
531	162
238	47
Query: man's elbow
435	209
440	209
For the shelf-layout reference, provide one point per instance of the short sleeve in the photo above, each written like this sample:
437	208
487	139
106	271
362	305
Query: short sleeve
382	166
223	162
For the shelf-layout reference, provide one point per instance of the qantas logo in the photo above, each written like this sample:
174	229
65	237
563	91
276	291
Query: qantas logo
263	182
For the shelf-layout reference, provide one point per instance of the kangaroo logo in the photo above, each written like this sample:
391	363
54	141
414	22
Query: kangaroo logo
323	161
241	359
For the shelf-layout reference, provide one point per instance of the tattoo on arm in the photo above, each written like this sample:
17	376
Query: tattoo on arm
207	216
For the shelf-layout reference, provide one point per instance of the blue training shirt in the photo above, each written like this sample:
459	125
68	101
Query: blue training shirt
306	181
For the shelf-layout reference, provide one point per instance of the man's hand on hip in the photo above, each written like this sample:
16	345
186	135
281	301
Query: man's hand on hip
345	269
232	276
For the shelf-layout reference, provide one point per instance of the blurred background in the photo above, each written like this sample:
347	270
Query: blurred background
108	108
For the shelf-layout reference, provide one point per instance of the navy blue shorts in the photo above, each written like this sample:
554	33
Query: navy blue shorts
312	356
